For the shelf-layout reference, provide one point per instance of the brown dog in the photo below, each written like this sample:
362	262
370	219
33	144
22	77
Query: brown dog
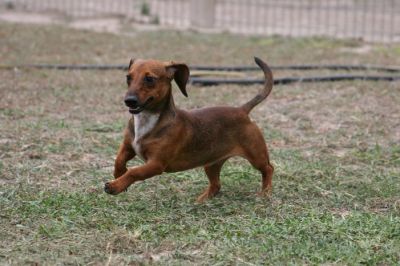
171	140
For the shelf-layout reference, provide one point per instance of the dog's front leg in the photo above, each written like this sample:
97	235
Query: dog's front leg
150	169
125	153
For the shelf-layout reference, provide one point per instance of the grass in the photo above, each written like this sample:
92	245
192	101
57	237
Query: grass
335	147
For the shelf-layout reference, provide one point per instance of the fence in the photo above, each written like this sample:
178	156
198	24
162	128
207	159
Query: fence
371	20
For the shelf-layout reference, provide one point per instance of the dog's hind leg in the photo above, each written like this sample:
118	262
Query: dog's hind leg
262	164
256	153
266	185
212	171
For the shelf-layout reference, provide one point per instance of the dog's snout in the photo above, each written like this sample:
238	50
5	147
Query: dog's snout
131	101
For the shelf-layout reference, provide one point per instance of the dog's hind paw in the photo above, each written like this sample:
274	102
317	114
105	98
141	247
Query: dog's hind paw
266	193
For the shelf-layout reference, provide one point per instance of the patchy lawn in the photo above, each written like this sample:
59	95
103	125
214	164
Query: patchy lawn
335	147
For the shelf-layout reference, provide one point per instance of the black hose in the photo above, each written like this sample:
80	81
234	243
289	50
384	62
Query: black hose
66	67
216	81
300	67
212	68
287	80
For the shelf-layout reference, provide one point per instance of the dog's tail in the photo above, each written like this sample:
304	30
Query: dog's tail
269	82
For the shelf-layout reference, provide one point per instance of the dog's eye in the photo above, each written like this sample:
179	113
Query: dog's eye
128	79
149	80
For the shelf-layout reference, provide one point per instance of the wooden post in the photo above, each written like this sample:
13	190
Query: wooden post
202	13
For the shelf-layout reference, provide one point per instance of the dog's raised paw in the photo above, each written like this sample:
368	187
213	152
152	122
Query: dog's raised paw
107	188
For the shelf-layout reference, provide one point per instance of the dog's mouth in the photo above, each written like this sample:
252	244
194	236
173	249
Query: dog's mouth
136	110
140	108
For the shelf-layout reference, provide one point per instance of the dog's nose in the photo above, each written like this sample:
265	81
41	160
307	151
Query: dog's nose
131	101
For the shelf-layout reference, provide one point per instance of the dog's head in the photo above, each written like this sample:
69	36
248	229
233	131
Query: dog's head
149	83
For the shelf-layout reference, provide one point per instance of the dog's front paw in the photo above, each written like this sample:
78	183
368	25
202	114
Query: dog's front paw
110	188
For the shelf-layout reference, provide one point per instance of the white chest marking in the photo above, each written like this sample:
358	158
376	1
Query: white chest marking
144	123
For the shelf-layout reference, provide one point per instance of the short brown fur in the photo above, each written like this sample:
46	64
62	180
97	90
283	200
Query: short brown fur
181	140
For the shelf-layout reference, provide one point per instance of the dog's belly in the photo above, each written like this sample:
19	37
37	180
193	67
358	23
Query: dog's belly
189	161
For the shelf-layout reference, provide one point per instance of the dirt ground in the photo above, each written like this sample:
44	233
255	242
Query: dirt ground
335	148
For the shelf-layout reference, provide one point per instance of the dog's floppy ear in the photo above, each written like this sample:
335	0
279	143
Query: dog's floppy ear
180	73
131	63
